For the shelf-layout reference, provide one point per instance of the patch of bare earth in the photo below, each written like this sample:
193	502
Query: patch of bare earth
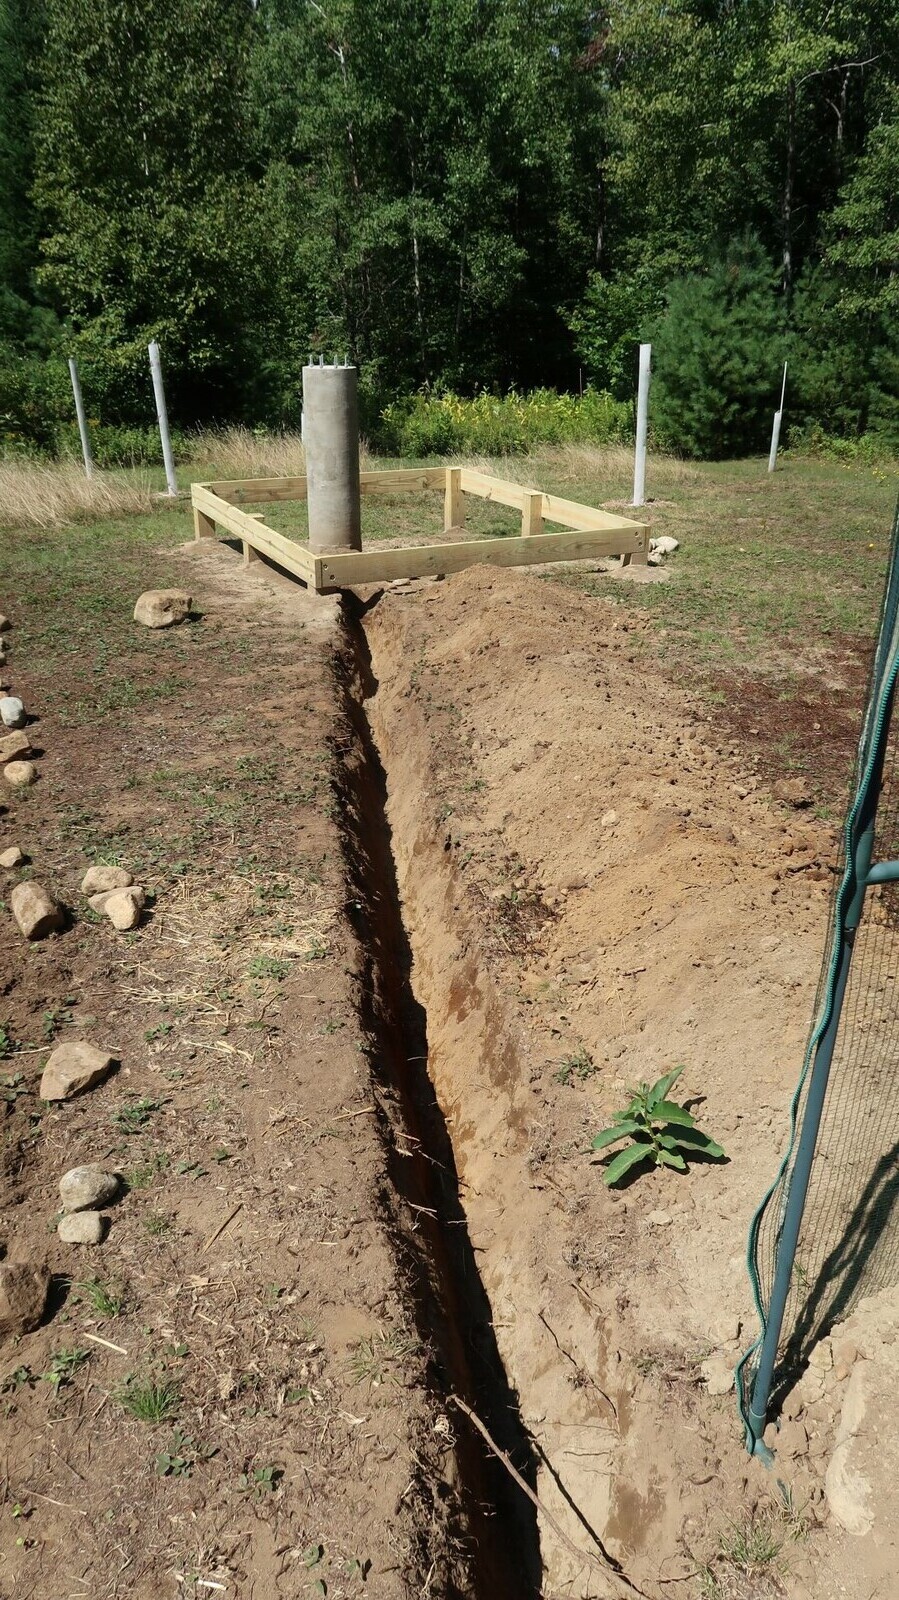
249	1283
599	887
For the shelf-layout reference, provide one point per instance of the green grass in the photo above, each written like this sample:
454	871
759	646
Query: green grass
148	1400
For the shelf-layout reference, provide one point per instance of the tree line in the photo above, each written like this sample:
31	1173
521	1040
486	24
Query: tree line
460	194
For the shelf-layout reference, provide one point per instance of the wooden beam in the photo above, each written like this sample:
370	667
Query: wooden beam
204	527
496	489
574	515
295	558
532	514
392	479
453	503
418	561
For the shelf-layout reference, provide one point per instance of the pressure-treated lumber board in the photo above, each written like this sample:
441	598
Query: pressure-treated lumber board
258	490
286	552
419	561
532	514
390	481
453	503
487	488
574	515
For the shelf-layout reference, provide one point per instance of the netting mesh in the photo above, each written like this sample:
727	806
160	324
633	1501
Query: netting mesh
848	1243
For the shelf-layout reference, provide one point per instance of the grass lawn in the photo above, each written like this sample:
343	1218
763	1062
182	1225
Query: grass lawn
769	607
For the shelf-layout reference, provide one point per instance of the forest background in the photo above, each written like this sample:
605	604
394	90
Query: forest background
468	198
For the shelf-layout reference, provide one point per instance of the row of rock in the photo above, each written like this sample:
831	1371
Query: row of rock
83	1191
19	770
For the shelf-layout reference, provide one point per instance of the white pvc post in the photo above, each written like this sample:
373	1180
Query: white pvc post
82	419
642	413
775	431
159	392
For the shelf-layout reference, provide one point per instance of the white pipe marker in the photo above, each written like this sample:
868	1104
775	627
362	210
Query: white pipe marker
642	414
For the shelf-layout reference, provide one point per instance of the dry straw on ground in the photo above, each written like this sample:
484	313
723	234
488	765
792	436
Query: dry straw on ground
44	495
241	453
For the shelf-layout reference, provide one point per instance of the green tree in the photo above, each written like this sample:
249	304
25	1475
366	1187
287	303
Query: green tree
717	354
145	199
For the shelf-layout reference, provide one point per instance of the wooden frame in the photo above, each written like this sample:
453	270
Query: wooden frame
585	533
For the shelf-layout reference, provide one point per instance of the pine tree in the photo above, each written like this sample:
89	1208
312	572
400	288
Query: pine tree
717	356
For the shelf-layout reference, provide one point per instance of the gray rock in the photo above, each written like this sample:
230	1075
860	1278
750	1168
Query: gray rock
12	711
86	1188
72	1068
160	608
102	880
5	624
36	911
665	544
20	774
23	1296
82	1227
13	857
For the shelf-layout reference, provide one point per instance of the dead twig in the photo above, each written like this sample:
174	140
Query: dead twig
223	1225
603	1564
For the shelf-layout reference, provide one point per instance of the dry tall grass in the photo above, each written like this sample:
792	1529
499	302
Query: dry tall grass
46	494
241	453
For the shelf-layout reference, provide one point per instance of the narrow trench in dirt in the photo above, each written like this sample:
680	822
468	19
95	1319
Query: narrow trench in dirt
452	1310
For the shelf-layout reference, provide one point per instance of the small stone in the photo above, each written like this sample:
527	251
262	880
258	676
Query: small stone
5	624
726	1329
160	608
655	558
23	1296
792	1440
665	544
35	910
73	1068
845	1353
14	747
718	1375
82	1227
821	1357
12	711
608	819
13	857
100	880
85	1188
658	1219
793	792
20	774
124	906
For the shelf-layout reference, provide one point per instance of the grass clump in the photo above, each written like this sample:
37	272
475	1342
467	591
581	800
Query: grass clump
148	1400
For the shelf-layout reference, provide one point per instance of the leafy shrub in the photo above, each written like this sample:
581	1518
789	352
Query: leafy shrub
428	424
718	352
658	1130
609	323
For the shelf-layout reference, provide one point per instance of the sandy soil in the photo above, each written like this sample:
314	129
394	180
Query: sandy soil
599	888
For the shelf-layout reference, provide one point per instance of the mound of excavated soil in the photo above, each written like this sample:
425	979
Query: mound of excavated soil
598	889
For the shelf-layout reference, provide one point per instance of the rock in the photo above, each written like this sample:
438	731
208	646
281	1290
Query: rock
821	1357
86	1188
793	792
20	774
73	1068
82	1227
792	1441
665	544
23	1296
13	857
5	624
122	906
655	559
35	910
726	1328
658	1219
14	747
101	880
160	608
12	711
848	1491
718	1375
608	819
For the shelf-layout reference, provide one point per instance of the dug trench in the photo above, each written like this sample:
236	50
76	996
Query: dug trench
567	885
429	1225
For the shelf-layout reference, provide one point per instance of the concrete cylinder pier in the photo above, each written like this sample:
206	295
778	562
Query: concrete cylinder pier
331	440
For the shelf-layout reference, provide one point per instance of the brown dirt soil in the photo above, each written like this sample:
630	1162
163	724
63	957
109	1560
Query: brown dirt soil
598	887
254	1245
